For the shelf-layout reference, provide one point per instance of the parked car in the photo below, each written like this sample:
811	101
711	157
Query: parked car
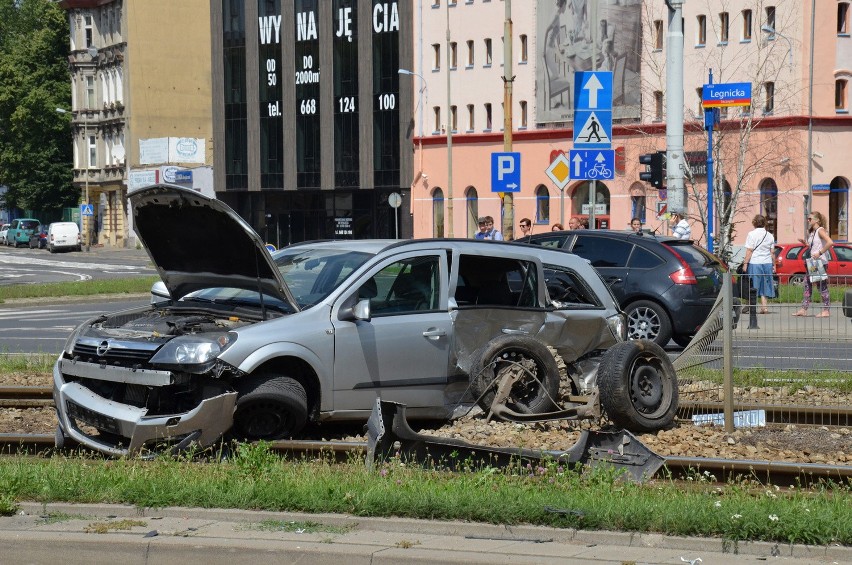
38	239
3	231
20	231
666	286
63	235
254	345
790	263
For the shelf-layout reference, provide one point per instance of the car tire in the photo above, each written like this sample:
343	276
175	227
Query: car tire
269	407
648	320
533	393
682	340
638	386
797	279
51	249
62	440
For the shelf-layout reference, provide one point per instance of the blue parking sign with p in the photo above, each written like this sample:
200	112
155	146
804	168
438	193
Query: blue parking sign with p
506	172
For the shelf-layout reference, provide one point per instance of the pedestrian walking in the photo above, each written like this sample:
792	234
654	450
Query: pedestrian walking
559	227
681	229
526	227
759	262
636	226
818	242
494	233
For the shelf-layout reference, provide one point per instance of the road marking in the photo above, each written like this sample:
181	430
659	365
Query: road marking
23	260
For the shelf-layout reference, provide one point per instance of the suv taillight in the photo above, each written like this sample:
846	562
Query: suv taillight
684	275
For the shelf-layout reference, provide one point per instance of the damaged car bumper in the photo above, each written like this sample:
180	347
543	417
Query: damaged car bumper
121	429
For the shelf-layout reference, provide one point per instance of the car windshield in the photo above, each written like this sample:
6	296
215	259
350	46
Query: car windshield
236	297
312	273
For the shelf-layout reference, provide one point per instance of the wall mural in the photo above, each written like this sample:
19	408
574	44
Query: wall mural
566	45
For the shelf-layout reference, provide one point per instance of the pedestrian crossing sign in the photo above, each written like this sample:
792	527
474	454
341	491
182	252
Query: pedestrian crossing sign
86	210
592	130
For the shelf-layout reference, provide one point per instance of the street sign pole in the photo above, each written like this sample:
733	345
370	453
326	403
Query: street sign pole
709	123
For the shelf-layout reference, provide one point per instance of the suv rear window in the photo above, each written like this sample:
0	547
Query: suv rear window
602	251
693	255
29	225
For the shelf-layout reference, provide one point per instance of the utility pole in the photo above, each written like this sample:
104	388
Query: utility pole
506	201
676	193
594	27
451	232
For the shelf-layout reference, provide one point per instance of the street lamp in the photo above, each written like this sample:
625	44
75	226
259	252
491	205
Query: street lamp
771	33
85	174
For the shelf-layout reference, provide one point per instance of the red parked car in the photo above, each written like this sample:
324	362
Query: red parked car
790	265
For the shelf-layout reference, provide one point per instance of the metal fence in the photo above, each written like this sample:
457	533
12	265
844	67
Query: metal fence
747	367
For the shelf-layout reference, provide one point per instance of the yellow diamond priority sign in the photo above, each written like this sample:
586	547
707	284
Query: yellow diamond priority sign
559	171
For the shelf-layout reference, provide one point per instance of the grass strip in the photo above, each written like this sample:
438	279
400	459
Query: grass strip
134	285
255	478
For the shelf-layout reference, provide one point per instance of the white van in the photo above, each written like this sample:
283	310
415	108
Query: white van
63	235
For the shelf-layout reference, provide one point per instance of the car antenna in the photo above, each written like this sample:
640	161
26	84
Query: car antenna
259	285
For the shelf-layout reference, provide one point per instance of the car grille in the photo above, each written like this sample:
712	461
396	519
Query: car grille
123	357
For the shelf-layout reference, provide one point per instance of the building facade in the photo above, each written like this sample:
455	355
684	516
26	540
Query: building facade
781	156
312	120
141	81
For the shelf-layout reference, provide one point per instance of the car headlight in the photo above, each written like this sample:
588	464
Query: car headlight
618	326
192	353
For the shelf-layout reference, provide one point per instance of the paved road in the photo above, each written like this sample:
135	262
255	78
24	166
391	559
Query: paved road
24	265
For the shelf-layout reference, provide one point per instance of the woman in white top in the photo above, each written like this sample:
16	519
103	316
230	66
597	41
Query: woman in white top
759	261
819	242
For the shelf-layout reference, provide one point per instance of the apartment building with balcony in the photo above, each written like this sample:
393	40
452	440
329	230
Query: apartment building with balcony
141	84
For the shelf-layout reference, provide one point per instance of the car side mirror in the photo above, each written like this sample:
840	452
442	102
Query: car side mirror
360	311
159	292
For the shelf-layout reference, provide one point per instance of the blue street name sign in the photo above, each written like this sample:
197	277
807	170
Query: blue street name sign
506	172
592	164
726	95
86	210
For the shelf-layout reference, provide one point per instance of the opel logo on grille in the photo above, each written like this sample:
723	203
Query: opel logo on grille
103	348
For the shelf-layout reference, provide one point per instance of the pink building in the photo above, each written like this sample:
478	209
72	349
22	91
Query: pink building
778	157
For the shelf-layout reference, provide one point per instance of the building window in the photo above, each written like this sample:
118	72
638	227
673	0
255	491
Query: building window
701	31
438	213
699	93
470	120
88	30
746	25
542	205
658	105
487	116
723	113
488	52
90	92
523	113
524	49
769	92
92	162
638	207
723	27
454	55
437	111
472	215
453	119
843	18
840	95
436	59
770	19
470	57
658	34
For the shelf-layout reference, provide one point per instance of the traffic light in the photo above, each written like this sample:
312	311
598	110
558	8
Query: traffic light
655	168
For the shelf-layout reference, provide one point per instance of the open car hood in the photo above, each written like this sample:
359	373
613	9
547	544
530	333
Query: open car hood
198	242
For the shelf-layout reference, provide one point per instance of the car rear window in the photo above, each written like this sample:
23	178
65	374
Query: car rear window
556	241
29	225
692	254
644	259
602	251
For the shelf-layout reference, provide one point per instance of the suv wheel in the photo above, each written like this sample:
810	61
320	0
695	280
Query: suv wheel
536	388
269	407
638	386
648	320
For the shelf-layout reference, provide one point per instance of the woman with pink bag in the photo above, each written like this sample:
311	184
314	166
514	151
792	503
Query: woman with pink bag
819	242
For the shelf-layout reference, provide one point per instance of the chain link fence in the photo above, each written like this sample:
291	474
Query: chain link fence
750	365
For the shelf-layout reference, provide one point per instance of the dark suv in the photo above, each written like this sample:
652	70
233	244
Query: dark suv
667	286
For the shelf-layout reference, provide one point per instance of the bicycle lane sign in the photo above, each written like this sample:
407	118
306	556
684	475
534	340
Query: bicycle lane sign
592	164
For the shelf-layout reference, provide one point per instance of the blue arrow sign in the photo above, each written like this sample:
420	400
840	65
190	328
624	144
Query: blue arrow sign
593	90
86	210
592	164
505	172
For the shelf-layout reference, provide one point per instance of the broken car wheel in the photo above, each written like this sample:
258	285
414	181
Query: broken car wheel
638	386
526	361
269	408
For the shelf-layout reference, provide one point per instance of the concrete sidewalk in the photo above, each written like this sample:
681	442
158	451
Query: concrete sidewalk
69	534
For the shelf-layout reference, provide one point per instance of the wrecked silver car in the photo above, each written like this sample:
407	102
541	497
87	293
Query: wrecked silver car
250	345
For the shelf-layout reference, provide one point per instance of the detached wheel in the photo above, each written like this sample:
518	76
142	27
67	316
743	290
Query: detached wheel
528	361
638	386
648	320
269	408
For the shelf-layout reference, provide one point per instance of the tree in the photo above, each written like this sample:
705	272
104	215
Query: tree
35	145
